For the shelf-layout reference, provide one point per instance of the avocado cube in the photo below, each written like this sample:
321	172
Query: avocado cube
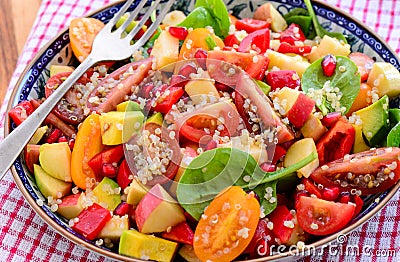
106	193
118	127
147	247
128	106
375	121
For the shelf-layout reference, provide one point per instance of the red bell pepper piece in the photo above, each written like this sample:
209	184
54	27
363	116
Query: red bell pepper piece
250	25
278	217
337	142
278	154
181	233
281	78
231	40
259	38
105	163
91	221
124	175
311	188
123	209
292	34
300	50
168	97
21	111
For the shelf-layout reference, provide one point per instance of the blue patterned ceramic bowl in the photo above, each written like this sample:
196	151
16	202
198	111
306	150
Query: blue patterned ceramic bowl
32	82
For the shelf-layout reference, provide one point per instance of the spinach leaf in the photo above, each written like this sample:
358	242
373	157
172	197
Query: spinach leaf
346	78
214	170
300	17
209	13
318	28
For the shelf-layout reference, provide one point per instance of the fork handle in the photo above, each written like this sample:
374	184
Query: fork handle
13	143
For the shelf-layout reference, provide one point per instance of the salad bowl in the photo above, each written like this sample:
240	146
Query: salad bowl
58	52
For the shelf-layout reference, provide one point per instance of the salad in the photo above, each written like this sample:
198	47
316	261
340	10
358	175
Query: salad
222	138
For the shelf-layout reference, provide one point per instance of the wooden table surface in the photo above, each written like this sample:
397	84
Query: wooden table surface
17	17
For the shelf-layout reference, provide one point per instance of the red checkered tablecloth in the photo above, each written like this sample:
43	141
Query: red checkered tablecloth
24	236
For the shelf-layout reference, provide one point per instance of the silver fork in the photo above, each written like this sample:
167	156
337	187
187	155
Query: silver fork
108	45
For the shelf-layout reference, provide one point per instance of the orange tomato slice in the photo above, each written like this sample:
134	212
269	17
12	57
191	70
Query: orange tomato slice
197	39
363	99
87	144
227	225
82	32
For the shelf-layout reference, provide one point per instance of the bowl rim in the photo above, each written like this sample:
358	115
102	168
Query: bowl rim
109	254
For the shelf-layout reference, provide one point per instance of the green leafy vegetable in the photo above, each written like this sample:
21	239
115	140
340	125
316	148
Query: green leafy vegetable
214	170
393	138
346	78
209	13
300	17
318	28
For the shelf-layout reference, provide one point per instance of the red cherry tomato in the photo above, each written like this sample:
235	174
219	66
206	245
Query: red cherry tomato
70	108
368	172
364	64
253	64
320	217
250	25
257	40
149	150
292	34
21	111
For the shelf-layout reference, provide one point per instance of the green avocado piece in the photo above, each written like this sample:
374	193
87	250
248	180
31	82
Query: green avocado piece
50	186
128	106
375	121
106	195
187	253
156	118
148	247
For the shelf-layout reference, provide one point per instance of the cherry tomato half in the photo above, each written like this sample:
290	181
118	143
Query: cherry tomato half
370	172
227	226
69	109
82	33
320	217
250	25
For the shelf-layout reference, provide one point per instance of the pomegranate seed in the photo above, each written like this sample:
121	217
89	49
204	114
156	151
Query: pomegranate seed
201	56
122	209
109	170
330	193
178	32
187	69
345	197
149	50
53	136
328	65
62	139
267	167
